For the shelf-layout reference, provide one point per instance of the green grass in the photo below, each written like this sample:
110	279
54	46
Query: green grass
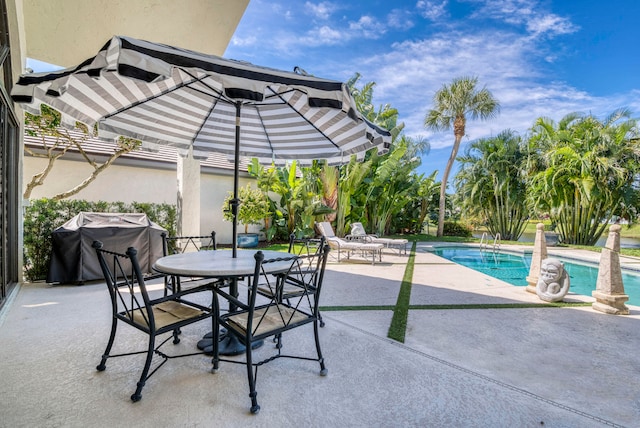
284	247
398	326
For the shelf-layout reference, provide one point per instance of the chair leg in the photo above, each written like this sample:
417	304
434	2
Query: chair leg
114	324
215	331
136	396
255	407
323	369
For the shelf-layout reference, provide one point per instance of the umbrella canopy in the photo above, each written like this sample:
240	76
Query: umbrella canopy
163	95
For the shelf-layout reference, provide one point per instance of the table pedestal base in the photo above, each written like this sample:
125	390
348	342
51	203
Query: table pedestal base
228	345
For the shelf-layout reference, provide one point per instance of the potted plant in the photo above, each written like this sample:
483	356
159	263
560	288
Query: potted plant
253	208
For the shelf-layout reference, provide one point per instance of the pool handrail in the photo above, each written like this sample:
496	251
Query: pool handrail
496	242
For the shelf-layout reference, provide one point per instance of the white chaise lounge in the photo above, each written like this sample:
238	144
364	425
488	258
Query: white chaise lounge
349	247
358	233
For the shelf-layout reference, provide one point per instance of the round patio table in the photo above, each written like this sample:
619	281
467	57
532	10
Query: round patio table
221	264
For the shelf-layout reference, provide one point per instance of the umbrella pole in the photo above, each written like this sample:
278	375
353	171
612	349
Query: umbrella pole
235	202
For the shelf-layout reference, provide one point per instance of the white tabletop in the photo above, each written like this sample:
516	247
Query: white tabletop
219	263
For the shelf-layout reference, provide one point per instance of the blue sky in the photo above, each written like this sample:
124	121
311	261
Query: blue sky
538	57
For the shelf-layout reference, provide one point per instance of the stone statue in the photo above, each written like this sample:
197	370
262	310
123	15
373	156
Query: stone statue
553	283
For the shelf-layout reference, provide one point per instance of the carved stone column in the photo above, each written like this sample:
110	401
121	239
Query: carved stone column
609	291
539	254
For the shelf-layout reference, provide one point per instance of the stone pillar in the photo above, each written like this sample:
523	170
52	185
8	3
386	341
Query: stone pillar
609	291
188	174
539	254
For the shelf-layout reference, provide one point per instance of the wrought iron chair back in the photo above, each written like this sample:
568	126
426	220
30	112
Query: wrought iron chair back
264	316
310	254
131	304
184	244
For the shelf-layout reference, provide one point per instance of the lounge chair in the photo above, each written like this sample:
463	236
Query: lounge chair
358	234
349	247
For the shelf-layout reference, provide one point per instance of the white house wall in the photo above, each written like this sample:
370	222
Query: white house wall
137	184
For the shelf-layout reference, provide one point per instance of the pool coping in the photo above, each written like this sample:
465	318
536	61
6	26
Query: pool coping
628	264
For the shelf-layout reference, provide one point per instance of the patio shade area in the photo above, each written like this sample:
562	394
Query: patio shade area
52	27
506	362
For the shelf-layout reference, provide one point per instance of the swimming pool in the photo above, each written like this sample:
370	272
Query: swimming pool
514	268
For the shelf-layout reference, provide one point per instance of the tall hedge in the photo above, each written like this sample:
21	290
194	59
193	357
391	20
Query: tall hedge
43	216
453	228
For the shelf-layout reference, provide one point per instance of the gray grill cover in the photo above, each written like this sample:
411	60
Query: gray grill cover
73	260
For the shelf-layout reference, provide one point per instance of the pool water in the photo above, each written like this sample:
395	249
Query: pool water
514	269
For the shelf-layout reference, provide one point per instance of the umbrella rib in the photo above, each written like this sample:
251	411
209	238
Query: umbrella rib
213	105
266	133
204	121
137	103
201	81
305	119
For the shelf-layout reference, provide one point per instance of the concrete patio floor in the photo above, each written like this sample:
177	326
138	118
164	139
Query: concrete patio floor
513	367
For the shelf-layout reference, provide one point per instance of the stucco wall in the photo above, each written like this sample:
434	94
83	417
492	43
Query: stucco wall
135	184
66	32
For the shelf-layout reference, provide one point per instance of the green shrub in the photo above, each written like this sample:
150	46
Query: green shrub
456	229
43	216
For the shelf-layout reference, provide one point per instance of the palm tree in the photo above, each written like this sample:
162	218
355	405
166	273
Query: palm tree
585	171
453	103
491	183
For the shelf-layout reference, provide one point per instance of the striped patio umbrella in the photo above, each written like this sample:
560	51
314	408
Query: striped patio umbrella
163	95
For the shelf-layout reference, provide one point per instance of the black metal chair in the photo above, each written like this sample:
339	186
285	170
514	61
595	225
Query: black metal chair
271	316
132	305
311	249
183	244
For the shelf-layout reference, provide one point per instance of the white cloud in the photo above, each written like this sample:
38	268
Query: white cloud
550	24
400	19
409	74
322	10
246	41
527	13
432	10
321	36
368	26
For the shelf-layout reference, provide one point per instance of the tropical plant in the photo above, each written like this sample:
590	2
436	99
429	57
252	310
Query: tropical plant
324	192
274	224
452	104
374	194
584	171
423	201
253	206
389	186
329	178
351	175
300	201
491	183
